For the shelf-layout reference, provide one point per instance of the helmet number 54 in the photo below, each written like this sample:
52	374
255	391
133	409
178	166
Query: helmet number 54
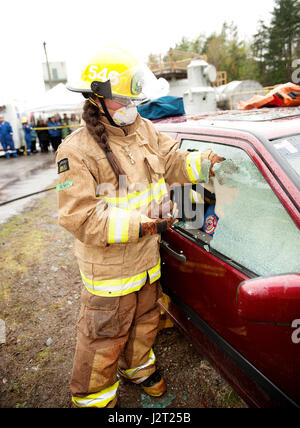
113	76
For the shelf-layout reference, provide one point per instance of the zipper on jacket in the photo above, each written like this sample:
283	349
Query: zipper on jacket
129	154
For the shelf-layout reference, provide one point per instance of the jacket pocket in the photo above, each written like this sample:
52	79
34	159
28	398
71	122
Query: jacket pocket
154	162
113	254
109	255
141	256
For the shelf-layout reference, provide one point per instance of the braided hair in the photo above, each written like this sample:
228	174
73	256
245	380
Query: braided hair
91	115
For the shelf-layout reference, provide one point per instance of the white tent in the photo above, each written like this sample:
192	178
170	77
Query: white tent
58	99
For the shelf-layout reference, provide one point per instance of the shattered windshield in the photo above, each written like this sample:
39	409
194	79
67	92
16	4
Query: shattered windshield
289	149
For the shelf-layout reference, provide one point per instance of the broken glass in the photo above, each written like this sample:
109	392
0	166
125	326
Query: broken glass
254	228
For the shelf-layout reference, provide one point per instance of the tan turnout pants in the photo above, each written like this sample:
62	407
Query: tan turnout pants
112	333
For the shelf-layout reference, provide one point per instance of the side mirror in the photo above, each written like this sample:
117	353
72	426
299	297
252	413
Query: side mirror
273	299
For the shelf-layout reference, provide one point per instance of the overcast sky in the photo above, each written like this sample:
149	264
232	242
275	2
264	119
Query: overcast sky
74	30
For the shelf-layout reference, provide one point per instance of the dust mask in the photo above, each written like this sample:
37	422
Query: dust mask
125	115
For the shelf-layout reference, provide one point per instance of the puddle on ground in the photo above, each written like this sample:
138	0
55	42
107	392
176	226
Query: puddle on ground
21	176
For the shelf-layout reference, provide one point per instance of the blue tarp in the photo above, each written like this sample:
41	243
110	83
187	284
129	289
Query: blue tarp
162	107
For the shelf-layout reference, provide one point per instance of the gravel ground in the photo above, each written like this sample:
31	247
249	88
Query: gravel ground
40	290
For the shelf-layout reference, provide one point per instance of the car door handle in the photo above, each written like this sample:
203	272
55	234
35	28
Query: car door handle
178	256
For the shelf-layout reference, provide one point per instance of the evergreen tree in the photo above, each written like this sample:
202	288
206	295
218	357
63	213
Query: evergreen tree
284	39
260	48
278	45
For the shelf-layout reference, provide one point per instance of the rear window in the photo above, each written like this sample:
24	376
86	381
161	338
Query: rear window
289	149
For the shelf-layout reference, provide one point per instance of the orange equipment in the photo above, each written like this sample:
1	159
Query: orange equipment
286	95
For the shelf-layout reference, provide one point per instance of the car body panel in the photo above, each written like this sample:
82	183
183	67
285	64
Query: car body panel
252	386
206	285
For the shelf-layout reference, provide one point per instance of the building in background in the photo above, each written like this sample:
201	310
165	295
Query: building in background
58	74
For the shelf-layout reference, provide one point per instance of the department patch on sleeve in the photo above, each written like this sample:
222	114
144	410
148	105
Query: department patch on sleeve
63	166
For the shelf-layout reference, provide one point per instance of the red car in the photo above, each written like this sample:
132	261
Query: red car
233	271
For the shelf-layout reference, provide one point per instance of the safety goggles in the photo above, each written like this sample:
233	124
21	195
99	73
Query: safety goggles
124	101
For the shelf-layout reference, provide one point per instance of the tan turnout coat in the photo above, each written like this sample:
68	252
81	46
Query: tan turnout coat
113	260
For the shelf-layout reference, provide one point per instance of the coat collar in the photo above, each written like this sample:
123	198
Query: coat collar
125	131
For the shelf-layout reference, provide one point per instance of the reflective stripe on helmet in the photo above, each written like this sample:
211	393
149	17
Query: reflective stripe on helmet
121	287
131	372
98	399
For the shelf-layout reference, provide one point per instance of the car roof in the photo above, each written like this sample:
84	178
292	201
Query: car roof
270	123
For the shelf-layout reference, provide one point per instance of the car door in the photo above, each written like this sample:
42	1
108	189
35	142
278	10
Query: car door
204	271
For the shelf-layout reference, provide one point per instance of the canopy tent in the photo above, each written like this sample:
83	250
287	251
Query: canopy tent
58	99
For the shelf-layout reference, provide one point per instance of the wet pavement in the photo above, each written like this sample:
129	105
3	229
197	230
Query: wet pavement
24	175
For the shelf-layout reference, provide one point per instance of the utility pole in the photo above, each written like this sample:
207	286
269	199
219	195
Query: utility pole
48	67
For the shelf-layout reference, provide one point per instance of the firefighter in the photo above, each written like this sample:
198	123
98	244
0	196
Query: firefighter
6	138
113	197
27	133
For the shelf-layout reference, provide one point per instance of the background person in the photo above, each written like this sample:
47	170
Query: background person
54	132
65	131
73	121
33	138
6	138
66	119
43	136
27	133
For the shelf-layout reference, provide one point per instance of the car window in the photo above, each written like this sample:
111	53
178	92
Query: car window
247	223
289	149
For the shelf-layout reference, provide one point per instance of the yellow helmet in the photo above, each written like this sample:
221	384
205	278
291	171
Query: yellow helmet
24	119
114	72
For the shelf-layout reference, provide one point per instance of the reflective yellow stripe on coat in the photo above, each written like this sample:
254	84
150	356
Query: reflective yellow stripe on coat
137	200
118	226
193	164
121	287
99	399
196	197
120	207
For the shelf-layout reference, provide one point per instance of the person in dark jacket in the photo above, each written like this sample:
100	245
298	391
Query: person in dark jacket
33	138
55	134
43	136
6	138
